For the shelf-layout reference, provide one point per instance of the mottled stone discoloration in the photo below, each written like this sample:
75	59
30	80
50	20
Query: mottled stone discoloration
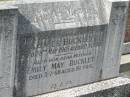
8	26
60	15
54	54
50	30
62	44
115	39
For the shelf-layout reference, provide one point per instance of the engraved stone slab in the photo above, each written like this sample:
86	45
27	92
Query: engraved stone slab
46	16
8	23
56	59
66	44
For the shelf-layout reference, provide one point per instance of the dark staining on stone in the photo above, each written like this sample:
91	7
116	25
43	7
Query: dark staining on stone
22	51
34	42
101	73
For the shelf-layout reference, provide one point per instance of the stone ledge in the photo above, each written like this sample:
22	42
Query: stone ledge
117	87
126	48
125	59
125	63
7	7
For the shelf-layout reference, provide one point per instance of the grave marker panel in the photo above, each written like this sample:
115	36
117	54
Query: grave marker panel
54	60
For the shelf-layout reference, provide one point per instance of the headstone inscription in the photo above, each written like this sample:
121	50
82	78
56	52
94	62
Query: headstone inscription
59	45
66	43
60	42
8	23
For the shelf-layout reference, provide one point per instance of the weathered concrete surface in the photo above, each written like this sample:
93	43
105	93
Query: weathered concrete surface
50	31
44	27
117	87
116	33
8	26
71	36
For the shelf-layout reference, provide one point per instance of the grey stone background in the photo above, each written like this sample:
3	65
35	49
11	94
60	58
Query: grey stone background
30	23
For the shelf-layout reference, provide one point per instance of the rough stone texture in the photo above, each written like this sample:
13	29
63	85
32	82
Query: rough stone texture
61	66
114	41
8	23
117	87
63	40
56	15
62	44
56	39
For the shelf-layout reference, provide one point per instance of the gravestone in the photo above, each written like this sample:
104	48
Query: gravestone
8	23
62	44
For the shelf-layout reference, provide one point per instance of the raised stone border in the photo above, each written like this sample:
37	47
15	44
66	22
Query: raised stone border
111	54
117	87
8	24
